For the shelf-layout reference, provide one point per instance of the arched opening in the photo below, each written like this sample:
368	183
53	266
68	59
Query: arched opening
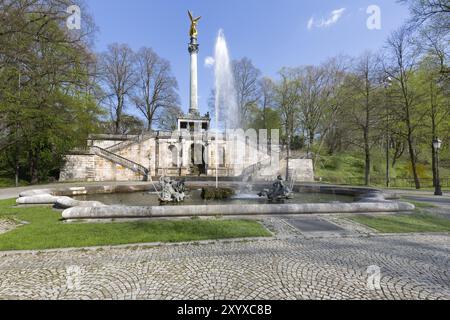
174	156
222	157
198	162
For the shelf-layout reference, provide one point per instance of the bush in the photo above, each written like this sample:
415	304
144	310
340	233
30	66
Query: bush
217	193
332	163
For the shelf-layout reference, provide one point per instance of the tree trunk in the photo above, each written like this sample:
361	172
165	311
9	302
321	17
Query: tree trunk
16	163
368	163
17	175
412	154
413	162
288	156
310	140
149	126
433	134
367	136
118	115
33	169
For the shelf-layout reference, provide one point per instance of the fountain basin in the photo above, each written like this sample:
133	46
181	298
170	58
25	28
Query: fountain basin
365	200
196	198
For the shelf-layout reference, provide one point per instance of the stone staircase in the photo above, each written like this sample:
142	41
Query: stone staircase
252	170
124	162
125	144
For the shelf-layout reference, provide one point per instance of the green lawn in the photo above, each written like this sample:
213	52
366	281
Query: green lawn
417	222
10	183
348	169
46	231
420	204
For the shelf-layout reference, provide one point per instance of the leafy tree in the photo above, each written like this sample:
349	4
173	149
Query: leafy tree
435	105
402	65
363	102
45	102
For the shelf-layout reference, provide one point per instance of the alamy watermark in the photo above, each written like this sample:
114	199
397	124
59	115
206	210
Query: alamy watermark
374	279
374	20
74	276
73	21
237	147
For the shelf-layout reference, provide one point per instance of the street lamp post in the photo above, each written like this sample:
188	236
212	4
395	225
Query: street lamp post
437	144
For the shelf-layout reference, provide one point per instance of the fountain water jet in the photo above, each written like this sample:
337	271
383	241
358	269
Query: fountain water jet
225	92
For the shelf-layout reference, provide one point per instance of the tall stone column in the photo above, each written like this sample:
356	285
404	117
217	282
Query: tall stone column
193	51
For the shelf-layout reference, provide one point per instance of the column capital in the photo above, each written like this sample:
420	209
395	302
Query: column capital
193	48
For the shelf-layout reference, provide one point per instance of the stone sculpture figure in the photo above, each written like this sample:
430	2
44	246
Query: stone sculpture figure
171	190
279	191
194	21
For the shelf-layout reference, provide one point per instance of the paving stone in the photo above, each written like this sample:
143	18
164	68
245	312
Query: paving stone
313	225
289	267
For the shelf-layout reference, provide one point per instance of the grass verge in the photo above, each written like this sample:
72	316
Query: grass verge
420	204
45	230
10	183
403	223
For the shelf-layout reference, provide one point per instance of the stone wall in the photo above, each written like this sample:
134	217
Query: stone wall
106	170
163	156
302	169
142	152
79	168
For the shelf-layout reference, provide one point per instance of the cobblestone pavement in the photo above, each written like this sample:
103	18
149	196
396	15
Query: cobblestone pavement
291	266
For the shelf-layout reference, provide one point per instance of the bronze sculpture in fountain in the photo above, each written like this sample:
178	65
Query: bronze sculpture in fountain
171	190
279	191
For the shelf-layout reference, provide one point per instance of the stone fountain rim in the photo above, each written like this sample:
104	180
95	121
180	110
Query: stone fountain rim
368	200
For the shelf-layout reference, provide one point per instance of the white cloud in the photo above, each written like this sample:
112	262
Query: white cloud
209	62
310	23
333	18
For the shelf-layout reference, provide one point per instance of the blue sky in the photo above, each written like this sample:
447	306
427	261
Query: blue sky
272	33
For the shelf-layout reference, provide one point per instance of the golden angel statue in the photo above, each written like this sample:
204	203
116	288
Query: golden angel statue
194	21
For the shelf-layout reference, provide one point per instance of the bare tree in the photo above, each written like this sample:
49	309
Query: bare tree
118	76
156	89
130	125
169	118
431	12
434	43
246	77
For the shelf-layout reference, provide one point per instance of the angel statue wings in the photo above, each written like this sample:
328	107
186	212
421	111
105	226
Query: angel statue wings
194	21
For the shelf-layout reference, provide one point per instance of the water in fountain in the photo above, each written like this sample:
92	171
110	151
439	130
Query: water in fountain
245	192
226	106
225	98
